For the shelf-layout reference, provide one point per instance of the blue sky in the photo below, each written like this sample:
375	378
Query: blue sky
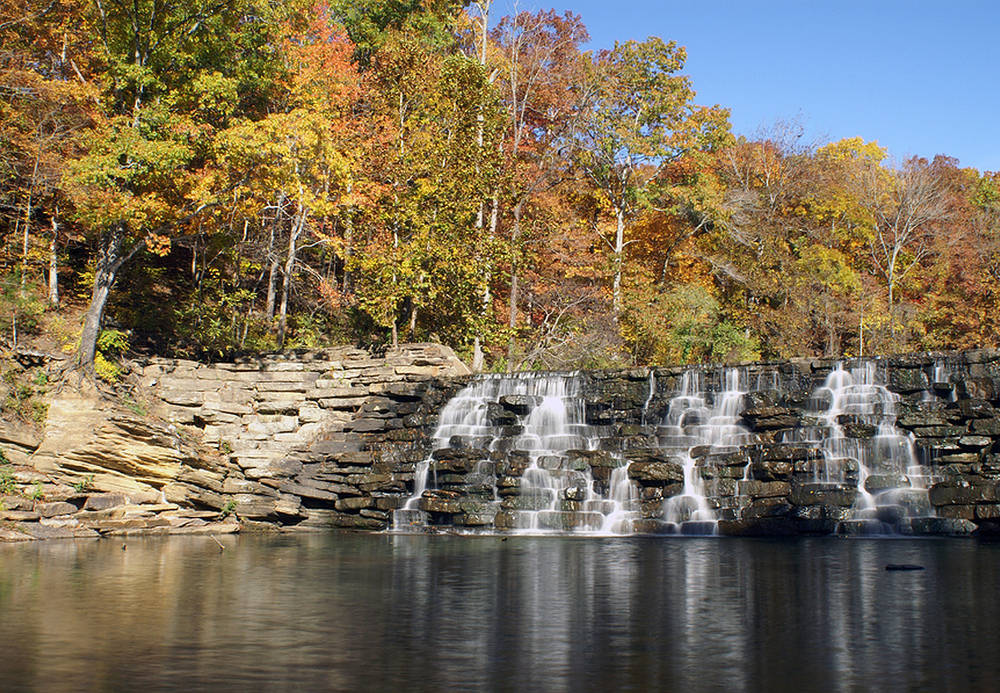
921	77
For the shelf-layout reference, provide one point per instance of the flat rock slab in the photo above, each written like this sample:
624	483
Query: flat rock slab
37	531
56	509
105	501
9	534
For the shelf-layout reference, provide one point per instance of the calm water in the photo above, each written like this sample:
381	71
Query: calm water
368	612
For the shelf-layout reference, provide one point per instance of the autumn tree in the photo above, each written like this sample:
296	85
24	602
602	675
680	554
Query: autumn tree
174	74
45	106
426	264
539	65
640	118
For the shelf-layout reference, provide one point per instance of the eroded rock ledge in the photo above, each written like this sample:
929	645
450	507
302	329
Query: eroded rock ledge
275	441
332	438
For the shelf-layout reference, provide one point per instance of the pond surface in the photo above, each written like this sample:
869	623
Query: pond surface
355	612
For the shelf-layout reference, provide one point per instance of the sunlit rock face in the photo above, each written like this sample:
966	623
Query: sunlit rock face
901	445
410	441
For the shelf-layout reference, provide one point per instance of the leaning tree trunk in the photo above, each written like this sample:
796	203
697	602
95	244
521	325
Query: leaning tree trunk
109	261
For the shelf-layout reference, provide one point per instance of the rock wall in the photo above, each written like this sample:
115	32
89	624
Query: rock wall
303	432
779	470
276	441
335	438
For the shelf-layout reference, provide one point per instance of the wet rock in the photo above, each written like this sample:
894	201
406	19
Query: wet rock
963	490
439	505
920	419
790	452
656	473
769	470
519	405
974	442
857	429
985	427
876	483
957	512
973	409
822	494
766	418
941	526
764	489
939	431
977	388
906	380
652	526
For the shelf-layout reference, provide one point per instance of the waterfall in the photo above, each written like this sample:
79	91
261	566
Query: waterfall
682	452
539	421
692	423
856	432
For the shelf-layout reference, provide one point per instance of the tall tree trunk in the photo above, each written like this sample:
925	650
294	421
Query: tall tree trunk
27	221
271	276
54	262
273	259
286	280
514	288
616	292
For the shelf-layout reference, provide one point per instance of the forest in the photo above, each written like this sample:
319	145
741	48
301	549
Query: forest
211	178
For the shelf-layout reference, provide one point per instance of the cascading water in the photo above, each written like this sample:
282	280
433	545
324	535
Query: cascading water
690	452
855	429
544	417
463	421
691	423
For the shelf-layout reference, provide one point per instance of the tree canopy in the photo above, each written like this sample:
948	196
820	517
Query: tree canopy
218	177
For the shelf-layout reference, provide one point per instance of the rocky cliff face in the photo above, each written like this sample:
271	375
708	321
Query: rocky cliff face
278	441
344	439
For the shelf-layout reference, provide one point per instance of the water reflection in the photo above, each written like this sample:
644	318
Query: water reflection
365	612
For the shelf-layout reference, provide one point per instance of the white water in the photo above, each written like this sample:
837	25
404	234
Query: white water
855	397
465	415
691	422
850	419
555	495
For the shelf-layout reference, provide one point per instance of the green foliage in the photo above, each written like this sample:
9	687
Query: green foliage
84	484
228	509
219	323
8	485
106	370
111	345
22	306
21	394
684	325
36	493
133	406
202	156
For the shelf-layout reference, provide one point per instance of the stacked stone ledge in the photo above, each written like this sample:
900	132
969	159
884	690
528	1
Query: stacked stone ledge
331	438
764	488
282	440
304	432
